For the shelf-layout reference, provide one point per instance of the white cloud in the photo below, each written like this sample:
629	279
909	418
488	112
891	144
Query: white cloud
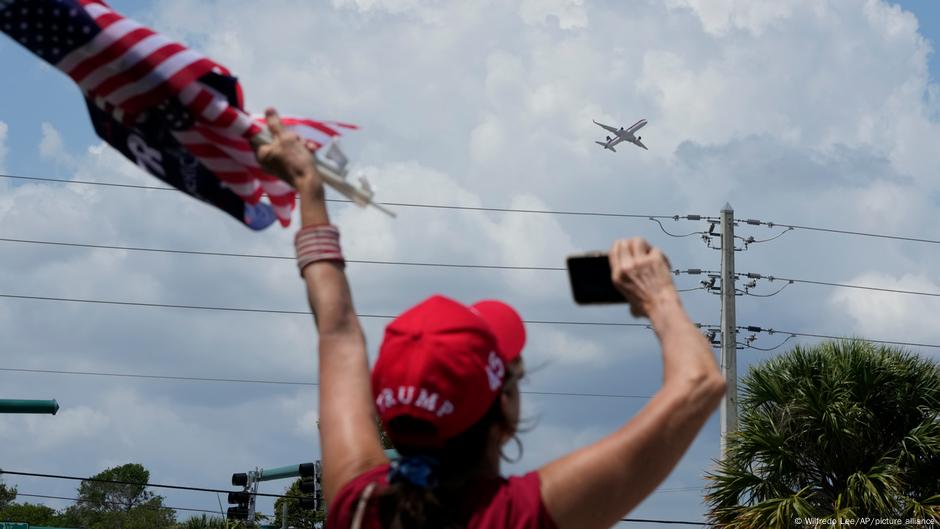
888	315
553	346
720	16
568	14
487	139
4	128
50	146
390	6
69	426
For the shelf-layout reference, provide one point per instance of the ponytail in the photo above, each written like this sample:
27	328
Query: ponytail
410	502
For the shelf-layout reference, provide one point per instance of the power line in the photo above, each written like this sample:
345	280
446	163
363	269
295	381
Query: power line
119	482
859	287
754	328
462	265
910	344
383	316
772	278
747	343
272	382
531	211
755	222
670	522
279	257
676	235
224	491
279	311
396	204
772	294
80	500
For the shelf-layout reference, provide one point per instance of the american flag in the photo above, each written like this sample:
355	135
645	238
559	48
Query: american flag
171	110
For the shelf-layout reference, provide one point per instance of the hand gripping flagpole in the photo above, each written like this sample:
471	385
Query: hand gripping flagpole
332	167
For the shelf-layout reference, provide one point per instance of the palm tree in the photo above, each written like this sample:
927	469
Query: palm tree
210	522
844	430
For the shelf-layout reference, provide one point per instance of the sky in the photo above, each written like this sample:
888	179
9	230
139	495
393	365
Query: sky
822	113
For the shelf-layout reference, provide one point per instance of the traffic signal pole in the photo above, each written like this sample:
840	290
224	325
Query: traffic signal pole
290	471
49	407
244	500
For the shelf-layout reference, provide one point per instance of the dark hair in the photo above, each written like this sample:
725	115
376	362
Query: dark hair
402	505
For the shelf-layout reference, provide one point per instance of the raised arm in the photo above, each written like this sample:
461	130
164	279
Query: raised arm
348	433
597	485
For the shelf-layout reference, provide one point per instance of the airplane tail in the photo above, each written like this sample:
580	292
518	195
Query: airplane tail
605	145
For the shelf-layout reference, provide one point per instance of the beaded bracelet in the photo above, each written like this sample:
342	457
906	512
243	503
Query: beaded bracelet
317	243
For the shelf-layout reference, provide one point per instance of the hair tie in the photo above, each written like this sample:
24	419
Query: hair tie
420	471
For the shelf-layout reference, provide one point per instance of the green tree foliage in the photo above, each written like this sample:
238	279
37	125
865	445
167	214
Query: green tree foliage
7	495
840	430
119	506
30	513
297	516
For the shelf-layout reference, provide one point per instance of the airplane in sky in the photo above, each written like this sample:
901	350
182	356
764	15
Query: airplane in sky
622	134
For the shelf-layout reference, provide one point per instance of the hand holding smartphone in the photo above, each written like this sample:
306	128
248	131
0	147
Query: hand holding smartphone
590	278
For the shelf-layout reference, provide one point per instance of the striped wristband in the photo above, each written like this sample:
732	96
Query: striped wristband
317	243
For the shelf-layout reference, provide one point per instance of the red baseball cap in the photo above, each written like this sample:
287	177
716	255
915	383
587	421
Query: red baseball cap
444	363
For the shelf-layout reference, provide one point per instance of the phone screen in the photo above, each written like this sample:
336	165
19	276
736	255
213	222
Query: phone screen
590	279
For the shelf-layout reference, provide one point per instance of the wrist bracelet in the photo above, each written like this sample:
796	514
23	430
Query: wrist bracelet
317	243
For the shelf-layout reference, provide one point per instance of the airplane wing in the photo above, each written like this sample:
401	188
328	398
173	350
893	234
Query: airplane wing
637	126
639	144
607	127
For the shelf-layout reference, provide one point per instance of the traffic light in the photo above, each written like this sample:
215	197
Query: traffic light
310	486
243	500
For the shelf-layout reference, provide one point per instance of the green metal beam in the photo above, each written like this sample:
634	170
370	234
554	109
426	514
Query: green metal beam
29	406
270	474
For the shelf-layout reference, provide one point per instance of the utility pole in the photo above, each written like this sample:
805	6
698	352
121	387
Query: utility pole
729	342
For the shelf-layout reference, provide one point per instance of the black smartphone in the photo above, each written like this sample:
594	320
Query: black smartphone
590	279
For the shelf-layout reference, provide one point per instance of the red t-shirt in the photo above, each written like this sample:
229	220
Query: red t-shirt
514	503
